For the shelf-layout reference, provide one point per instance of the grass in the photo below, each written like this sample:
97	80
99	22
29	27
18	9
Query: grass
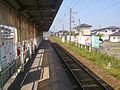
111	44
117	49
99	59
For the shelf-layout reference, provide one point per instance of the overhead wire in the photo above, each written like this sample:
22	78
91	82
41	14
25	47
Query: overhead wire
84	6
105	8
67	9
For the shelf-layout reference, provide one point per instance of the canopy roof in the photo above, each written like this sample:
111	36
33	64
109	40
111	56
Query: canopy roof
40	12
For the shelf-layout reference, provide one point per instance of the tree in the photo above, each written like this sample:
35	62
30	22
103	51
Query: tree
100	35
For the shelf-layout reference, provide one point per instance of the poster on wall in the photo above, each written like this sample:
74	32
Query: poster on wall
95	41
0	39
7	52
88	41
68	37
72	38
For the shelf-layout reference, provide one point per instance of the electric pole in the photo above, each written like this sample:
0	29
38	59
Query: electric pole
70	24
54	30
79	21
63	27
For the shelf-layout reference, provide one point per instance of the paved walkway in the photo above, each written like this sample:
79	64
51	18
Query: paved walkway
43	72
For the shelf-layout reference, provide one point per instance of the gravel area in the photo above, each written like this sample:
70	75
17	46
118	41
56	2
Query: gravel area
109	48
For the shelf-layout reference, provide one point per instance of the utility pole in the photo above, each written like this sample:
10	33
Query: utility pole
70	24
79	21
54	30
63	27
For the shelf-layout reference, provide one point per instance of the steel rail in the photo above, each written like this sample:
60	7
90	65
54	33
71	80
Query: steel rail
97	82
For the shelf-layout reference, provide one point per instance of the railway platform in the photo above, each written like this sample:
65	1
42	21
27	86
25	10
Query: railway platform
43	72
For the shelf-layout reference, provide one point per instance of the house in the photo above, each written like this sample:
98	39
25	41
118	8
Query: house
62	33
83	29
106	32
115	37
94	32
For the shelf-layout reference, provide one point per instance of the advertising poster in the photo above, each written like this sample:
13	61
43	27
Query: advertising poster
68	37
72	38
95	41
88	41
85	40
0	38
0	59
7	52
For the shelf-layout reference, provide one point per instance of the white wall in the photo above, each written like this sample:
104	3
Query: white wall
105	37
115	39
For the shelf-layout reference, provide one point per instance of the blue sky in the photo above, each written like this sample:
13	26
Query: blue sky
98	13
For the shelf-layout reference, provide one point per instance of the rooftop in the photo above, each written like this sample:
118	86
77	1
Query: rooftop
39	12
110	27
82	25
116	34
63	31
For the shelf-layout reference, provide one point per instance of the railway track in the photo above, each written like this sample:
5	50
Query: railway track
80	76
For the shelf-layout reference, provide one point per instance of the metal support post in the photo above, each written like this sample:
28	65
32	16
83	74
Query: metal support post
70	24
22	58
1	81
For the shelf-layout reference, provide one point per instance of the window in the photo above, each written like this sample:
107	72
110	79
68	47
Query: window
113	30
118	37
113	37
105	30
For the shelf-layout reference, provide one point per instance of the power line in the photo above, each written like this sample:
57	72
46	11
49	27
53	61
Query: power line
89	4
76	3
79	2
66	10
105	8
68	6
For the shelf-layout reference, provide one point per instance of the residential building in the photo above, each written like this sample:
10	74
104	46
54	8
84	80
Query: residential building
94	32
62	33
115	37
106	32
83	29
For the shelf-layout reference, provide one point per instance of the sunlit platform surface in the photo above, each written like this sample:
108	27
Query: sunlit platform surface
43	72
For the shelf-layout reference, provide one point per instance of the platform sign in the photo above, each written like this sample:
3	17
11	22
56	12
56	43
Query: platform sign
95	41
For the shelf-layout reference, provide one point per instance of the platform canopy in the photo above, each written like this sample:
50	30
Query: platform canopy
40	12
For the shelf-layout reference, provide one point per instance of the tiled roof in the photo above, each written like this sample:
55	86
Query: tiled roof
116	34
82	25
63	31
110	27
